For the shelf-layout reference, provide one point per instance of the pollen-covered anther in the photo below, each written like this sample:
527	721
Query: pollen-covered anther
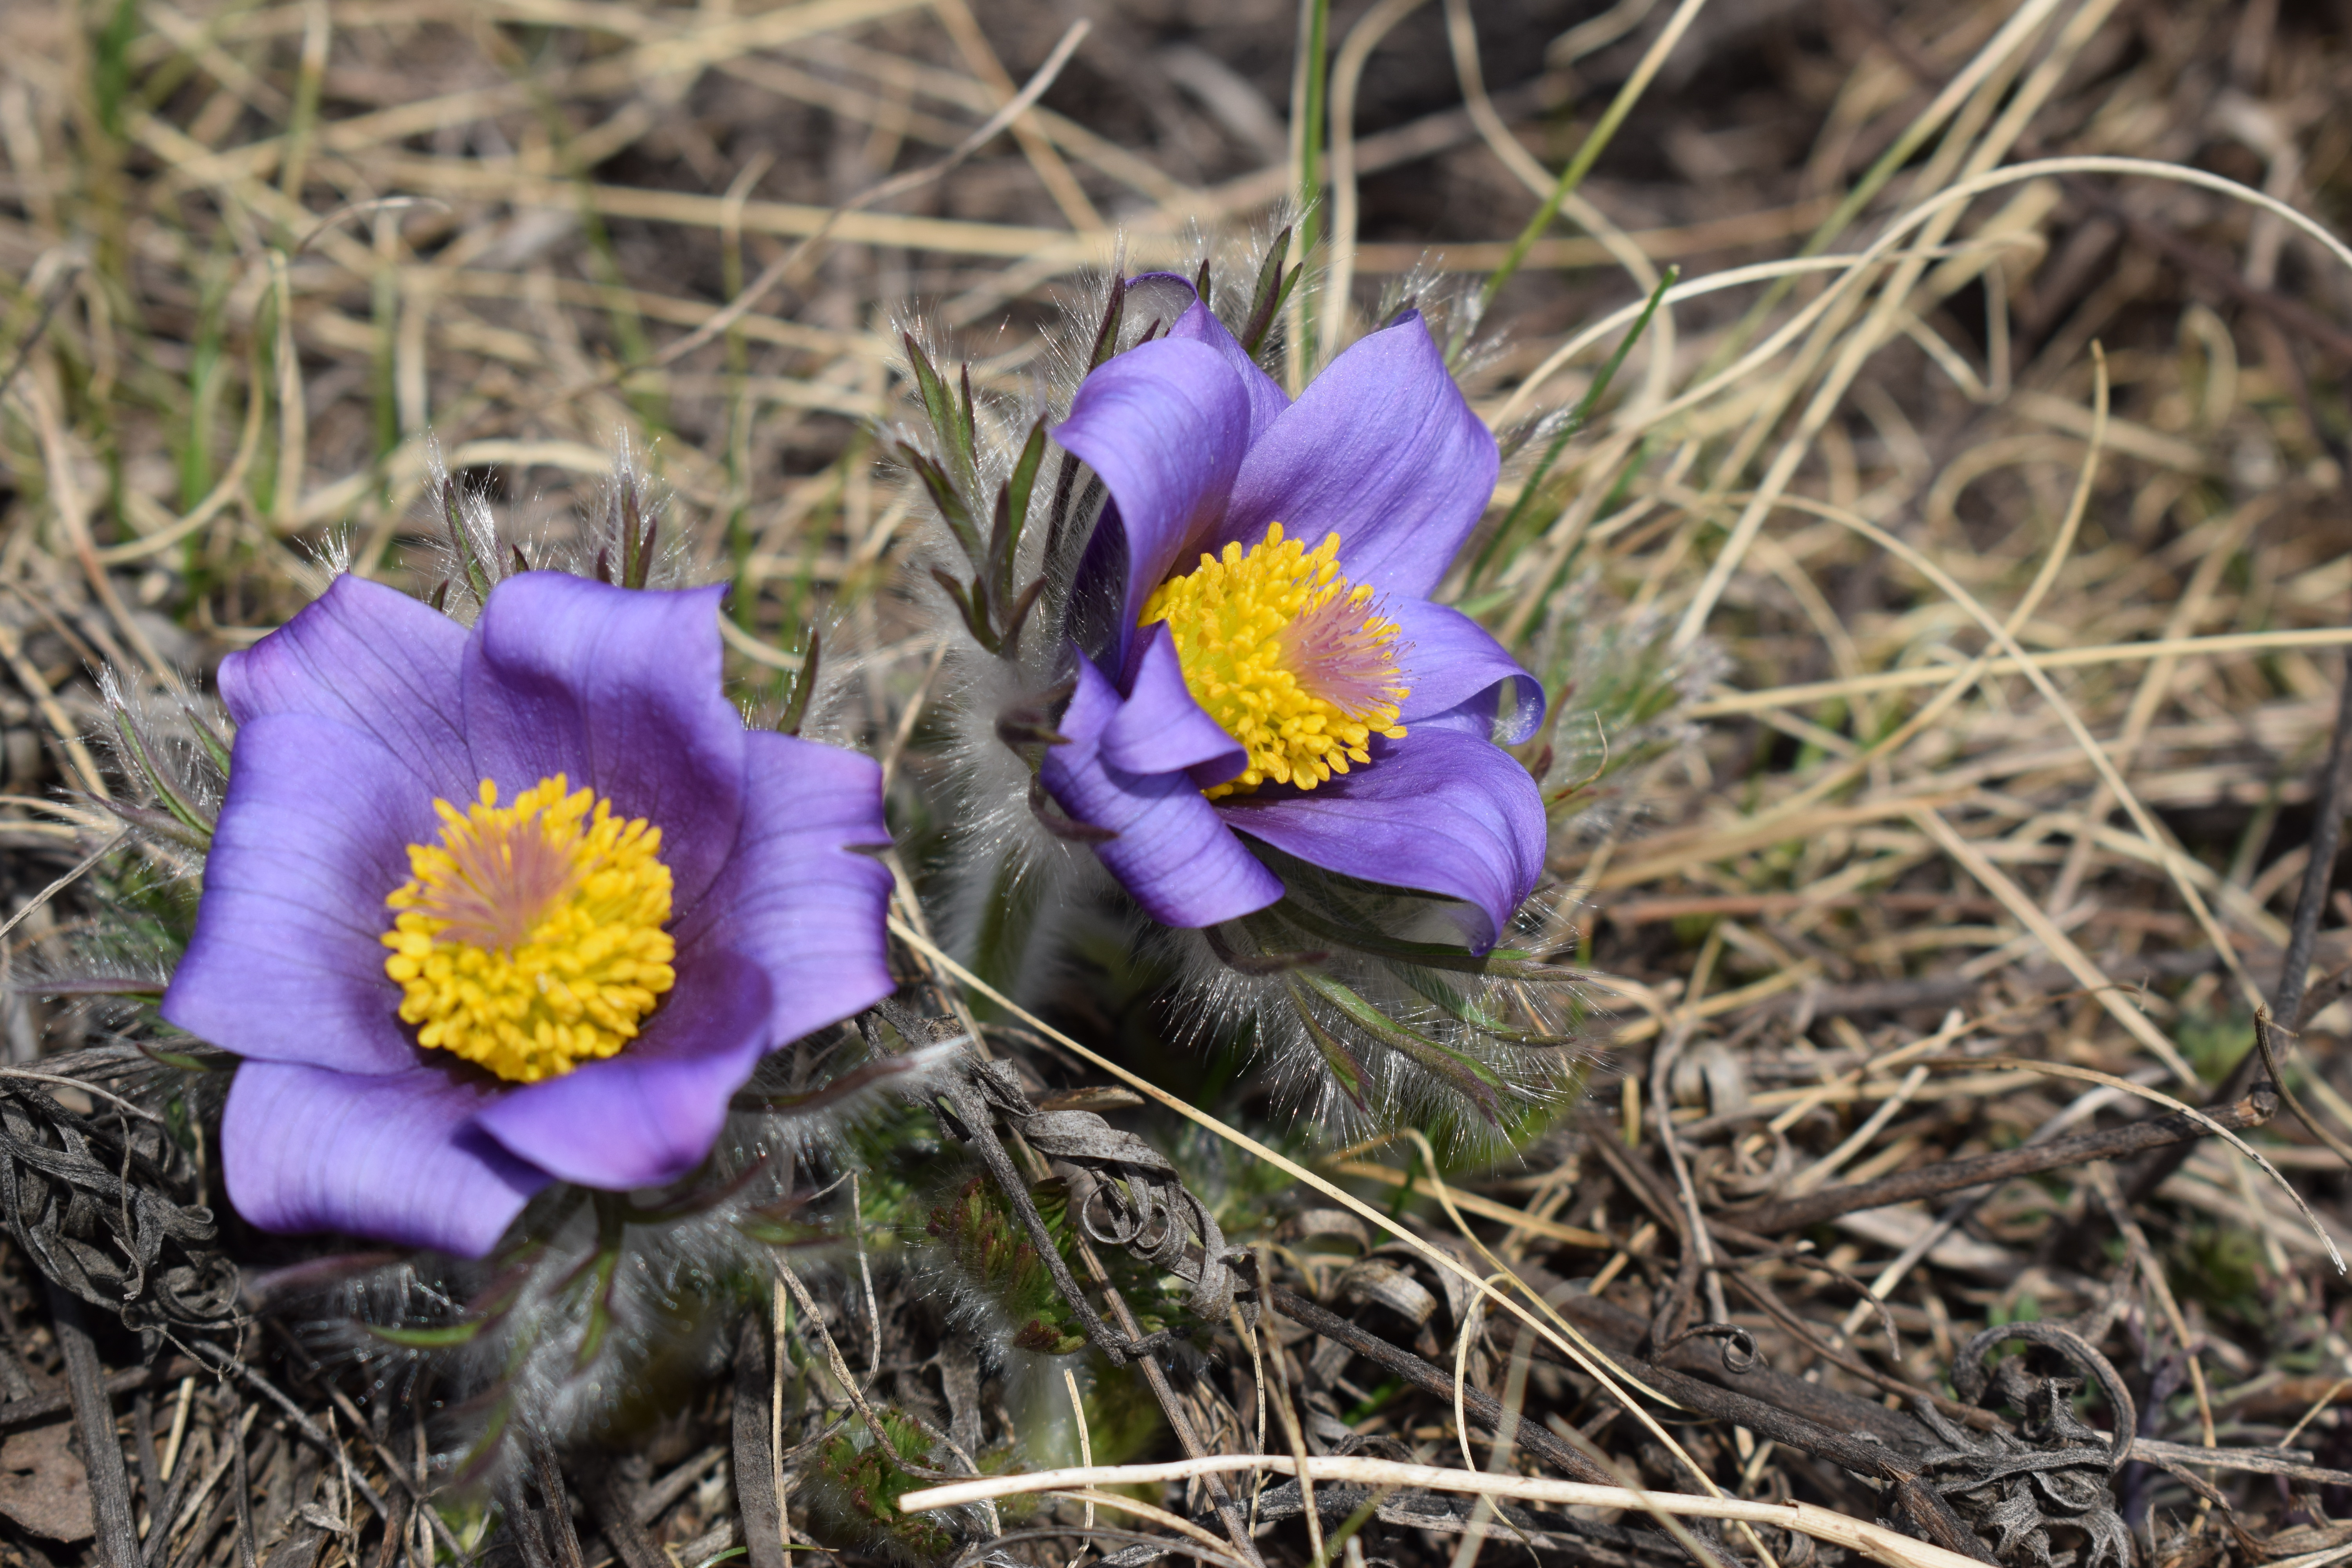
1289	657
529	938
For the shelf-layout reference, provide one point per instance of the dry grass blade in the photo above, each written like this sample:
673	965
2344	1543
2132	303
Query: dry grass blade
1875	1541
2263	1029
786	265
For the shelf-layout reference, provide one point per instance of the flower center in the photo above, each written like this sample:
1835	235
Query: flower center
529	938
1285	655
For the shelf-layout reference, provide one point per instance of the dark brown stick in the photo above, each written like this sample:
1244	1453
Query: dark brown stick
1925	1506
1221	1496
151	1472
2310	903
1952	1175
1601	1138
2324	996
1619	1331
1482	1408
755	1479
101	1452
523	1525
562	1539
396	1530
242	1477
972	1110
2260	1461
2319	869
617	1515
2265	1037
36	1407
1479	1405
1764	1296
1869	1458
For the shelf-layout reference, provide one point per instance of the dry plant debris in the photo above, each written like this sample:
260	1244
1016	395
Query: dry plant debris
1947	601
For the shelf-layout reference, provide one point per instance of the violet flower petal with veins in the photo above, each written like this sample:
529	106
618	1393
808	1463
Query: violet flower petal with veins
1200	449
352	720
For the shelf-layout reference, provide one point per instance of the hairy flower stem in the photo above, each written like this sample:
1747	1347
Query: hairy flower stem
1008	927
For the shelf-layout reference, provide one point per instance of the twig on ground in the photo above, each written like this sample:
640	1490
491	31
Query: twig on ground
101	1451
1875	1541
1953	1175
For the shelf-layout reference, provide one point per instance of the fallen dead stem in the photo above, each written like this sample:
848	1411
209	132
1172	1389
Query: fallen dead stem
1874	1542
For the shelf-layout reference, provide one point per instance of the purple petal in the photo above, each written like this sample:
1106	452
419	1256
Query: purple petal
1381	450
1449	660
1165	425
372	658
1171	852
618	691
284	964
397	1158
650	1114
794	900
1266	398
1161	729
1440	812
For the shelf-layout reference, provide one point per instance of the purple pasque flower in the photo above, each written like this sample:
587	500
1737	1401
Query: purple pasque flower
491	909
1274	668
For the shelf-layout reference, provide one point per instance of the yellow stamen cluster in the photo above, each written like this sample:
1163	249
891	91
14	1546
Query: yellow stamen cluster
1289	659
529	938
